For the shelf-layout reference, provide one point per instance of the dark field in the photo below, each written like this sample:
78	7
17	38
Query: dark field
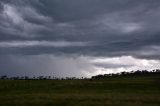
119	91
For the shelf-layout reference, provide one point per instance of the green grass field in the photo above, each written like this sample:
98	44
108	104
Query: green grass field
119	91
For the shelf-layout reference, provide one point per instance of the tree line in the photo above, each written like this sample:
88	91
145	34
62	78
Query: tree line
5	77
124	73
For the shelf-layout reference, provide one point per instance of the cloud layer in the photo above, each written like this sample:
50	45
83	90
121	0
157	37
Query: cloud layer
89	28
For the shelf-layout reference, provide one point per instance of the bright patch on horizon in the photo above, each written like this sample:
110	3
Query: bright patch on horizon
118	64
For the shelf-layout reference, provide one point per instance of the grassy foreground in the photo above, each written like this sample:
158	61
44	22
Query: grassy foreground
119	91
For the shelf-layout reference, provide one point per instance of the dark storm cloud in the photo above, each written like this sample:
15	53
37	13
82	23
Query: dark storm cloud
43	65
116	27
80	27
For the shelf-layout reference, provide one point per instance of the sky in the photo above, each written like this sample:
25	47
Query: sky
78	38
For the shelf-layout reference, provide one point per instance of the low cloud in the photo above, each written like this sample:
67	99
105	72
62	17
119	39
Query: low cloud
22	44
70	66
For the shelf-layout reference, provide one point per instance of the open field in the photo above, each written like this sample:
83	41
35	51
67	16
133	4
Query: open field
119	91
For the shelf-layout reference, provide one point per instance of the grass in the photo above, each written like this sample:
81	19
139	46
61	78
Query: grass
118	91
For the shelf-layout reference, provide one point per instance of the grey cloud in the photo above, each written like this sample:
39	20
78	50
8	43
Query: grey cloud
14	20
104	65
114	27
46	65
21	44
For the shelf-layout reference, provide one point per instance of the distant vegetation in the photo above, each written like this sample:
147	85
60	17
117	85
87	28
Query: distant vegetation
136	88
132	73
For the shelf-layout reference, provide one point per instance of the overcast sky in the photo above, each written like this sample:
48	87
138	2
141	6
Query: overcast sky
66	38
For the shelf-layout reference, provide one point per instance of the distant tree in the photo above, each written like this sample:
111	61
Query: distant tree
158	70
4	77
49	77
26	77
